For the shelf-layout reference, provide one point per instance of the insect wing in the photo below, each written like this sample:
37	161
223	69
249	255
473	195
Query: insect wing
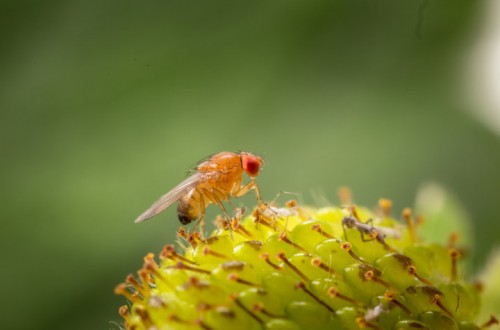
389	232
170	197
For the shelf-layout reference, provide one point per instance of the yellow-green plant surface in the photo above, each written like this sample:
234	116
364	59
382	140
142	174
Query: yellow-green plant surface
295	267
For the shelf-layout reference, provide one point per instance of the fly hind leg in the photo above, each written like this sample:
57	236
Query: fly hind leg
368	229
212	195
201	218
374	234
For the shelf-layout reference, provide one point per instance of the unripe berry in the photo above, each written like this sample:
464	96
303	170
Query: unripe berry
298	268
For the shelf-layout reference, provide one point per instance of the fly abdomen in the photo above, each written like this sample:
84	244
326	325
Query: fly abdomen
188	209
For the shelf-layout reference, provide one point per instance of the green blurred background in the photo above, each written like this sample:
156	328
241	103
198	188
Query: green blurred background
106	104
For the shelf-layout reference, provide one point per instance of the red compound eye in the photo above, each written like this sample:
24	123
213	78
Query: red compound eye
251	164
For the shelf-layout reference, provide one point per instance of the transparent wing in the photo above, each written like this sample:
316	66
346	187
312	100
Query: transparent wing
389	232
170	197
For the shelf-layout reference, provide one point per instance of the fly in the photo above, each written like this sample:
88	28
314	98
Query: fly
366	229
214	181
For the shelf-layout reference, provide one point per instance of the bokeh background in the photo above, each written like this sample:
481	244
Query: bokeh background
106	104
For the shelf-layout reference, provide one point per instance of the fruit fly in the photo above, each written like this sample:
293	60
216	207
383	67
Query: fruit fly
214	181
378	234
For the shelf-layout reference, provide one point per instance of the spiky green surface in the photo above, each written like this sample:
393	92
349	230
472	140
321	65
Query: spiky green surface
294	268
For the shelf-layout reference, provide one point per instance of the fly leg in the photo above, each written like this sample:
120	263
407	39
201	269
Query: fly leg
370	222
212	196
201	221
280	193
374	234
261	205
216	193
273	202
370	231
246	188
345	233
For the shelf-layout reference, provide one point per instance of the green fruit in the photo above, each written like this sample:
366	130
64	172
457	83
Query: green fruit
310	270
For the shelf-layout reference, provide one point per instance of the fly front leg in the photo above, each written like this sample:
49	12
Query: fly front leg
246	188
